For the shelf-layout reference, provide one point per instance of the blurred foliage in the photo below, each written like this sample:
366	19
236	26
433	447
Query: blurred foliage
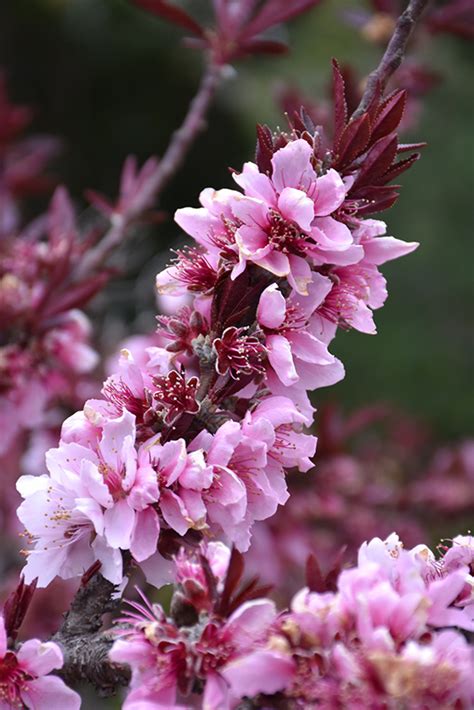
111	80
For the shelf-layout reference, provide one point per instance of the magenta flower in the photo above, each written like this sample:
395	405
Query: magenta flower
281	222
165	660
24	679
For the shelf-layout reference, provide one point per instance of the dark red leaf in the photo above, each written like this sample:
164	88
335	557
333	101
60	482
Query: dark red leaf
264	149
400	167
78	295
261	46
406	147
333	574
378	160
354	140
171	13
235	571
16	606
274	12
314	576
210	579
380	202
389	115
339	102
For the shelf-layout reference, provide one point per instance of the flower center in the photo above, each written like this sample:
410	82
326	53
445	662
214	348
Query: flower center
12	681
284	235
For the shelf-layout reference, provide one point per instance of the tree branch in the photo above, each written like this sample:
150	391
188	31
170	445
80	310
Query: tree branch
393	55
85	647
178	147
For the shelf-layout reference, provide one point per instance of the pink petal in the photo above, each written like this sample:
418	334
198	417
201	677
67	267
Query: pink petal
378	251
223	445
40	658
256	184
145	534
216	694
271	307
296	206
199	223
259	672
172	460
50	693
3	637
118	525
112	566
275	262
158	570
318	289
250	620
252	241
330	195
292	166
331	233
300	274
281	359
310	349
250	211
196	475
114	433
174	512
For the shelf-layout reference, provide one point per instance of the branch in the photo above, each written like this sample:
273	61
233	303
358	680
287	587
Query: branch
393	55
85	647
178	147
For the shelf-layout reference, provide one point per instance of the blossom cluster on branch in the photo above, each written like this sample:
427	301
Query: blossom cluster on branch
377	635
199	440
189	447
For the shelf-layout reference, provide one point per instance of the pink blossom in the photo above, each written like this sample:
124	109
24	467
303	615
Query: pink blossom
94	503
24	679
294	352
166	660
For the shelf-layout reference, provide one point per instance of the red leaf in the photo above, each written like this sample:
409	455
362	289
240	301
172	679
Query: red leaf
78	295
354	140
235	571
314	576
339	101
61	217
16	606
406	147
379	204
274	12
171	13
399	168
378	160
261	46
264	149
389	115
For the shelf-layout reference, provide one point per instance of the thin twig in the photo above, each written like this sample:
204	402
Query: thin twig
178	147
393	55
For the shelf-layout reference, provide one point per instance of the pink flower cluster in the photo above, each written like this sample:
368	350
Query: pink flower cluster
383	637
198	438
24	676
149	455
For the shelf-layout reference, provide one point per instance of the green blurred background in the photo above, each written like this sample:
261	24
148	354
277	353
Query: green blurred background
111	80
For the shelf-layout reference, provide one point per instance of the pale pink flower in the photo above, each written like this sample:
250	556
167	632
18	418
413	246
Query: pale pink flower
95	502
